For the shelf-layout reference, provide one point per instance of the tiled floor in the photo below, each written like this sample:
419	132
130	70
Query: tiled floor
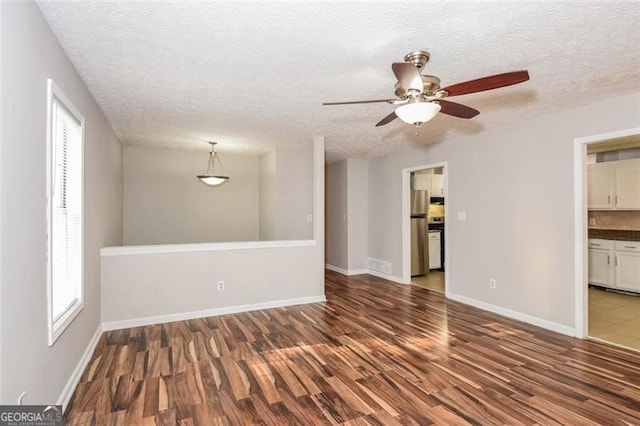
614	317
434	280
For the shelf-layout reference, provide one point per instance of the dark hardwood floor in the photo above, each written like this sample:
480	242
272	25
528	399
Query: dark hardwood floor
377	353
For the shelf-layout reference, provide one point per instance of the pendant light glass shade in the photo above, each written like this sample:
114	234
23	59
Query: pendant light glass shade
215	172
417	112
213	180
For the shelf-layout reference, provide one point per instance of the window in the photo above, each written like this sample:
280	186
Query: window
65	140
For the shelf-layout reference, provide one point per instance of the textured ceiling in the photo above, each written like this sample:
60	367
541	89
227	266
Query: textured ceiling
253	75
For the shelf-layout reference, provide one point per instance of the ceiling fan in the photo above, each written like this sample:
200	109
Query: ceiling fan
420	97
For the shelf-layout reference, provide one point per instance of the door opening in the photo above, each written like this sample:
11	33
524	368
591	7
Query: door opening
601	304
424	226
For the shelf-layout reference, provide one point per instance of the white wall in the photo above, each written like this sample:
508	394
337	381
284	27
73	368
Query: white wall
357	214
1	215
30	55
141	286
294	199
515	184
164	203
337	231
286	194
268	196
347	215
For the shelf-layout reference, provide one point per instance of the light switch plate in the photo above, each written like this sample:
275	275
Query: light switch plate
592	221
462	215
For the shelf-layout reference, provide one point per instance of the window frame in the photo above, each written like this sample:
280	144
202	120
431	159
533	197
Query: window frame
57	326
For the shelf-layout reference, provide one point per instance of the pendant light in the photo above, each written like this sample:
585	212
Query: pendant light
215	172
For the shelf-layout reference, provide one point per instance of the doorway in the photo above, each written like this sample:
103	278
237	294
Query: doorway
604	310
424	230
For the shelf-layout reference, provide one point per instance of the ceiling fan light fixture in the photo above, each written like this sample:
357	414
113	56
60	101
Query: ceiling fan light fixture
420	97
417	112
215	174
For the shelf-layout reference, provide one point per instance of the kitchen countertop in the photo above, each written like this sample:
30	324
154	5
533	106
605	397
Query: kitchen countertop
615	234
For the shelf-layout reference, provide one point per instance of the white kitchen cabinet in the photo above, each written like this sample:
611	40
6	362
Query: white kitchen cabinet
434	250
614	264
599	186
429	182
614	185
627	185
422	182
436	186
628	265
601	255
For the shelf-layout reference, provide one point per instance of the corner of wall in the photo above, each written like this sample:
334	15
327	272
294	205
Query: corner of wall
319	192
357	214
2	37
23	137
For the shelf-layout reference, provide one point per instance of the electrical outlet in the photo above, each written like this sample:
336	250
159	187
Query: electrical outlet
309	218
492	283
592	221
220	285
22	397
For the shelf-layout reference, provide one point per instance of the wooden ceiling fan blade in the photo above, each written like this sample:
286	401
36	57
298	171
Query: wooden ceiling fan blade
359	102
388	119
487	83
457	110
408	76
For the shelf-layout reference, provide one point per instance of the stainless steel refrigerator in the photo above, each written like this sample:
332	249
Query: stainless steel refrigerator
419	226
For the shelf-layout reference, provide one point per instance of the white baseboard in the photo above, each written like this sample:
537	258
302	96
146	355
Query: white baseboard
346	272
386	276
336	269
73	381
137	322
365	271
549	325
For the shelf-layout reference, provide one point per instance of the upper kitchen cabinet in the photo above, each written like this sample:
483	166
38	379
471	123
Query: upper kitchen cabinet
627	185
436	186
429	182
599	178
614	185
422	182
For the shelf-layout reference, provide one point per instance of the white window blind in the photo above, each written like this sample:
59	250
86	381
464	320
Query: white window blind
65	215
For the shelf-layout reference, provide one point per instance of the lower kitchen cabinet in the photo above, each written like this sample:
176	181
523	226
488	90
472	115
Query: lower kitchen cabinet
434	250
628	265
614	264
599	266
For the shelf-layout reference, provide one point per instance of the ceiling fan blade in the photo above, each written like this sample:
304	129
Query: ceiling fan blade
408	76
388	119
457	110
359	102
487	83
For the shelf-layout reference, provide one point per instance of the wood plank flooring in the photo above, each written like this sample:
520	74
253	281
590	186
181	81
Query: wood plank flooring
377	353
